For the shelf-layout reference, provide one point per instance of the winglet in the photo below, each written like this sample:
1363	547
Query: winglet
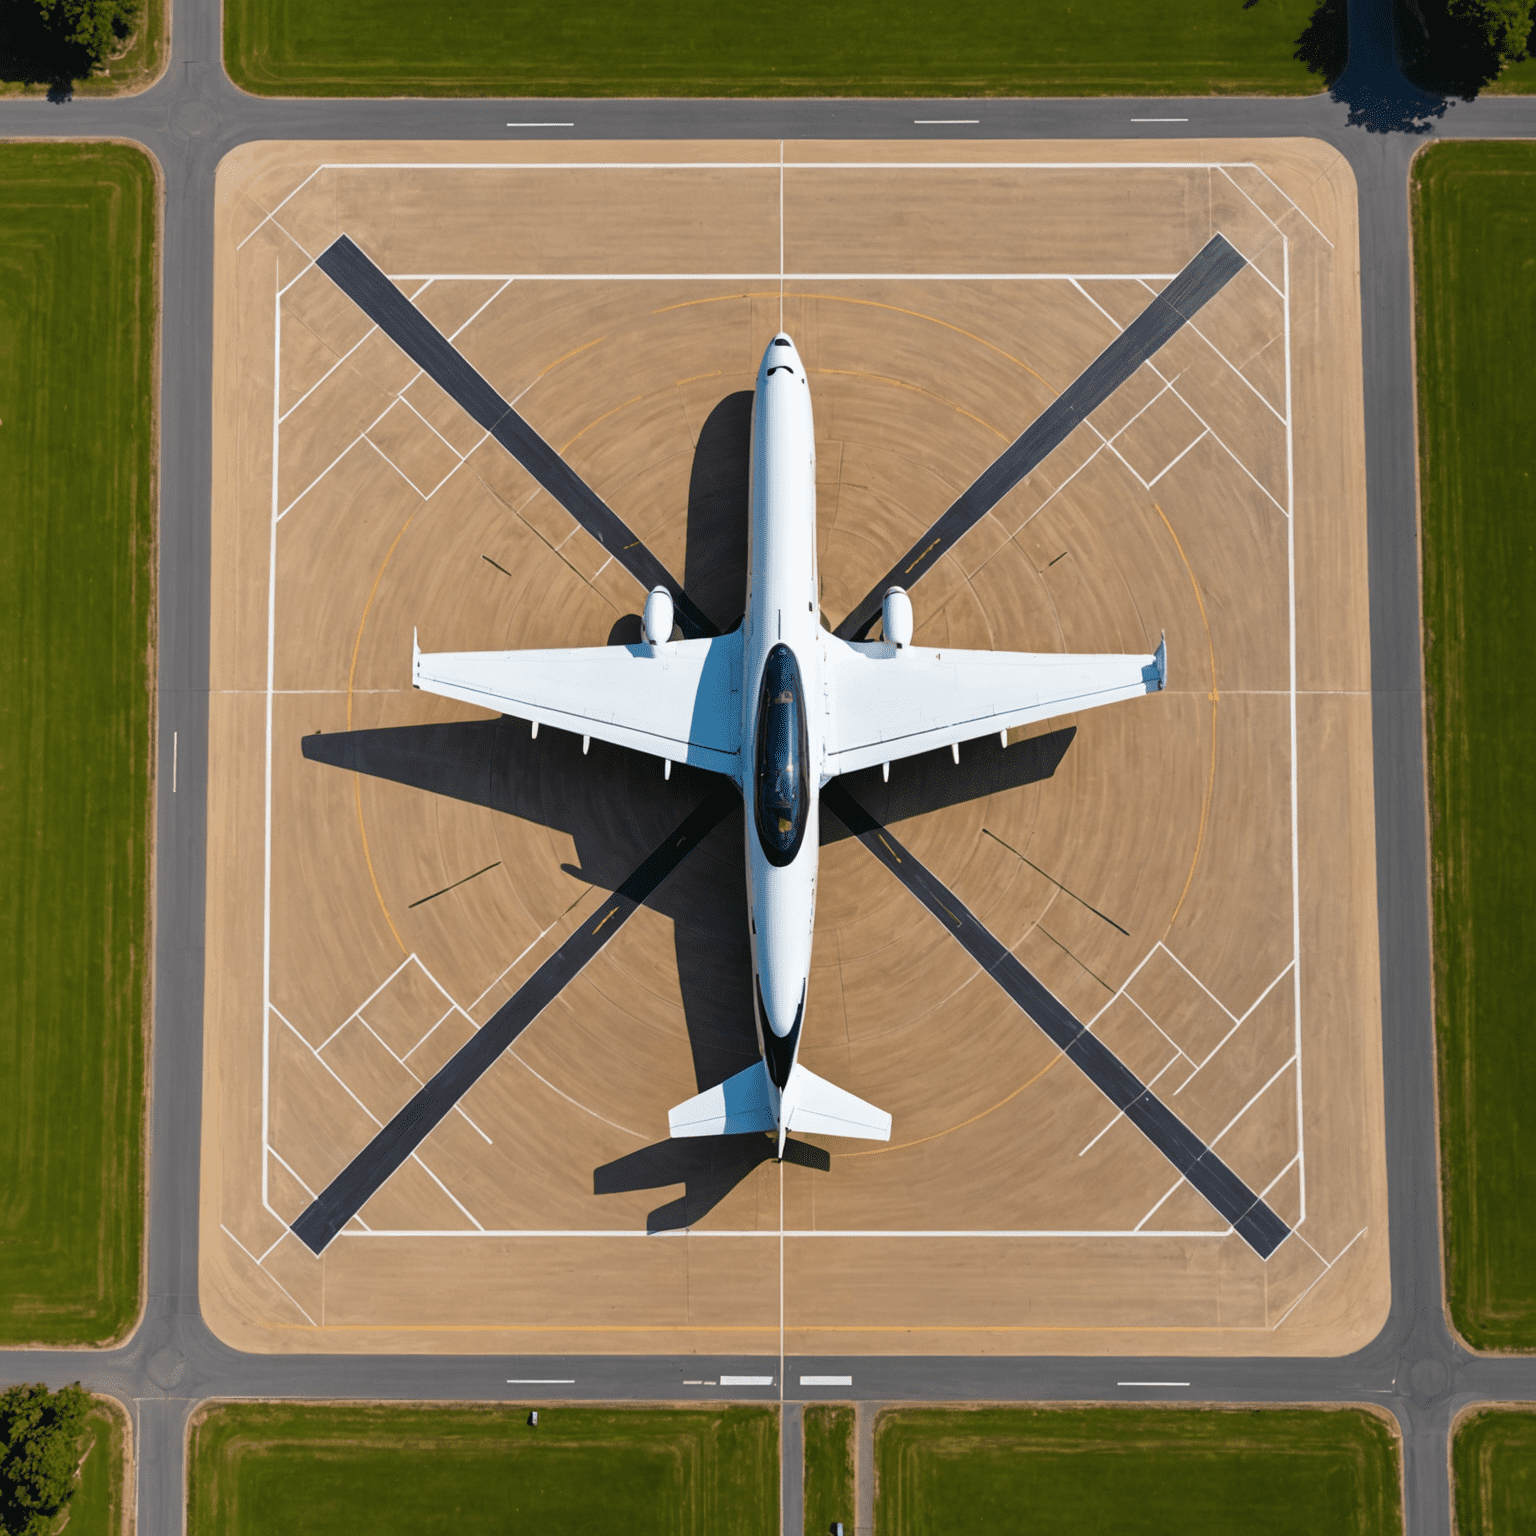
415	660
1156	676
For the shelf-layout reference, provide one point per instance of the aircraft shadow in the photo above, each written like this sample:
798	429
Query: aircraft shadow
709	1168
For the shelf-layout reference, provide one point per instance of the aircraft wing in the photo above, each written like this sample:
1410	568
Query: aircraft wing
679	701
886	702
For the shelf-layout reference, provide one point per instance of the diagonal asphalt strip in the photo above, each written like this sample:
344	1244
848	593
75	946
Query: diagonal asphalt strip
367	1173
1206	275
351	270
1253	1220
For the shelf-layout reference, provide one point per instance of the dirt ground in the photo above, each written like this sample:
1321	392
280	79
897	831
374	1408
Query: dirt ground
1194	871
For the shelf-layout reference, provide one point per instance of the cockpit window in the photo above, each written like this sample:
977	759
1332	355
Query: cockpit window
782	799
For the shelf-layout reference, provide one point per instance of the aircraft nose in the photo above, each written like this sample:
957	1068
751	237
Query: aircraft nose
781	353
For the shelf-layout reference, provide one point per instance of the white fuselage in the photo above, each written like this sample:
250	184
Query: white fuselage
782	735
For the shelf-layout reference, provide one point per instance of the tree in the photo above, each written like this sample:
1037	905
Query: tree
40	1433
1456	47
1501	26
95	27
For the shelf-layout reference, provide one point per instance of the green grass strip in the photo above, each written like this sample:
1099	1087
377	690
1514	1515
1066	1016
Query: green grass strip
77	570
795	48
1136	1472
257	1468
1474	227
829	1491
96	1506
1493	1463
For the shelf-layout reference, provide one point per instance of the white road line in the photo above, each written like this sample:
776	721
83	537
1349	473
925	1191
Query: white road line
1159	120
266	871
772	1234
1251	1102
328	372
173	761
1210	1055
1154	1383
1200	983
544	1381
267	1272
791	277
936	122
1326	1267
826	1381
746	1381
273	1152
1175	459
541	125
1290	556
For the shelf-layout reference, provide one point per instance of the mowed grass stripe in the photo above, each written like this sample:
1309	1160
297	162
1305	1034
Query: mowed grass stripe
1474	226
796	48
1136	1472
96	1506
77	551
829	1467
408	1470
1493	1464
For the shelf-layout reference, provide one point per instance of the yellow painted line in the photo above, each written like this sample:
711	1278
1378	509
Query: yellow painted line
933	545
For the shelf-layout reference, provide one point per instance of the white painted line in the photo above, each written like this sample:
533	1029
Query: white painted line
173	762
1151	1383
746	1381
541	125
698	1383
541	1381
1159	119
826	1381
933	122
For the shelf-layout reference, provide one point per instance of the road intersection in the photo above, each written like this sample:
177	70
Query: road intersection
1415	1368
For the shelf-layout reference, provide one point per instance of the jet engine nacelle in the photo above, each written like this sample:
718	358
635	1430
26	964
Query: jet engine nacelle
896	616
657	622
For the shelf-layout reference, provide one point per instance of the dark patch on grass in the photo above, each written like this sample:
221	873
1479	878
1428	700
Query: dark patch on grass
1474	224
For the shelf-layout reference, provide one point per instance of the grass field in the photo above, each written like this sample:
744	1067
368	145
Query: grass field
796	48
77	548
256	1468
96	1509
828	1467
30	63
1136	1472
1493	1463
1474	227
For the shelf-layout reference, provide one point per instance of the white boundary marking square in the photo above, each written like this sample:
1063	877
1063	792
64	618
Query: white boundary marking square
782	168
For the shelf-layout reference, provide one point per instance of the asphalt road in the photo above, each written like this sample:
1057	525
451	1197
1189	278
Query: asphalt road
1414	1368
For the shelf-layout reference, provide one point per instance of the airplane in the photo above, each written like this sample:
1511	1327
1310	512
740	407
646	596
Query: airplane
780	706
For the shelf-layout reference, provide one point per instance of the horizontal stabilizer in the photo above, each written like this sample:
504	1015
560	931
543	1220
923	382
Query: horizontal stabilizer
740	1104
820	1108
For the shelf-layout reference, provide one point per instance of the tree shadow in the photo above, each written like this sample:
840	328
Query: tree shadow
1354	48
1324	42
1449	51
32	54
708	1168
